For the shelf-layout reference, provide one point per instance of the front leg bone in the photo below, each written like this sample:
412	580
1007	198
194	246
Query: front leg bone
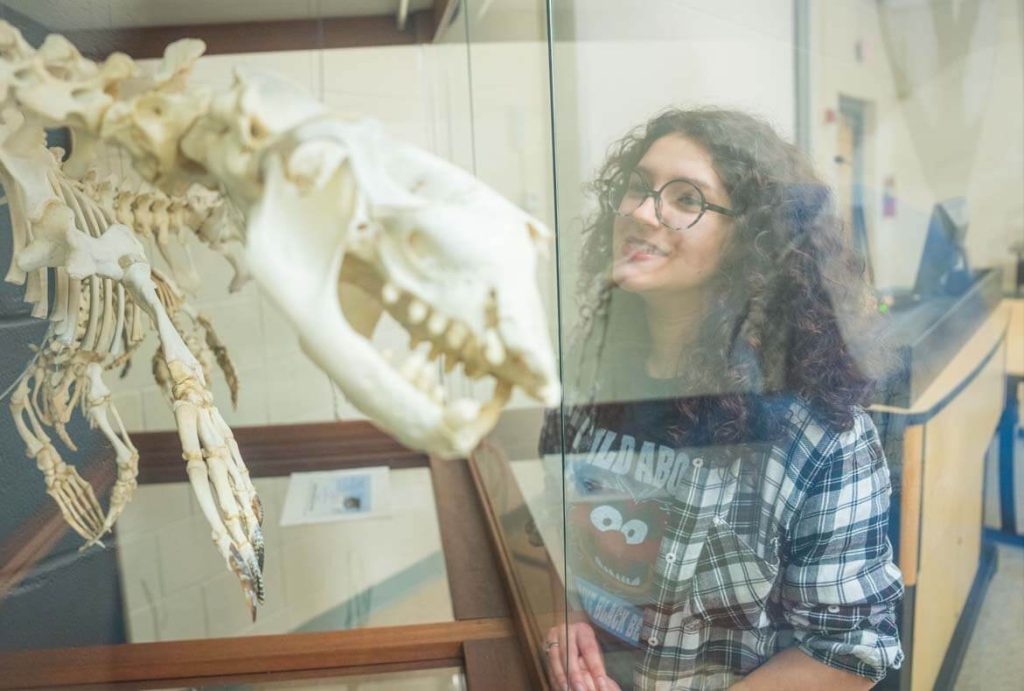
205	467
100	409
207	455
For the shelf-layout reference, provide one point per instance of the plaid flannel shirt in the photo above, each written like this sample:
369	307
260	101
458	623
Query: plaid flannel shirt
786	546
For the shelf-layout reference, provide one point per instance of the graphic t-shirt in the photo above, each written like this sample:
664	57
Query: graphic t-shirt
621	476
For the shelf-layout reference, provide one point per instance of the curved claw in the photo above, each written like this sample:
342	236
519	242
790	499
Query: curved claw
250	577
256	540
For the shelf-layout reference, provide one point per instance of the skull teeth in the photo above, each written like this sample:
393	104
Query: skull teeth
494	351
413	364
461	412
456	335
450	361
451	342
417	311
421	374
390	293
437	323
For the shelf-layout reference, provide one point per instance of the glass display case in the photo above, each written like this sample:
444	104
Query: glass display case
764	251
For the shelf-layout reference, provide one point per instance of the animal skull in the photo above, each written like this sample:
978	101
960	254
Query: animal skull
449	259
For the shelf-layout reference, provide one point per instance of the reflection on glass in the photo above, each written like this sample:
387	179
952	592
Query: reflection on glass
767	344
782	368
724	478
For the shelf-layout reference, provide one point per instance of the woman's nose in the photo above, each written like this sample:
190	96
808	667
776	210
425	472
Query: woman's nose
647	213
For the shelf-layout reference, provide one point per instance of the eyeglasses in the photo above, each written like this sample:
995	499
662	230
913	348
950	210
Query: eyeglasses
678	204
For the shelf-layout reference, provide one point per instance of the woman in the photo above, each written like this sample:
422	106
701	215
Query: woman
727	494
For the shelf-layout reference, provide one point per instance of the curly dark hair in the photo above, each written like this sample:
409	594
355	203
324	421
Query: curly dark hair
789	307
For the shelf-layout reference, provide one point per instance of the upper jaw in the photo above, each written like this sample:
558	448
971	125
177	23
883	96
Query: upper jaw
457	424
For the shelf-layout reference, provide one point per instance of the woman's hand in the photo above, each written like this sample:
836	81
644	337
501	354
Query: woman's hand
577	645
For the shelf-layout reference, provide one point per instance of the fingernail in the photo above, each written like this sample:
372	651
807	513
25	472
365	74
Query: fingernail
580	687
601	684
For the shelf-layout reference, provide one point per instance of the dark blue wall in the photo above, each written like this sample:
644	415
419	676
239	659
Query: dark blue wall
69	598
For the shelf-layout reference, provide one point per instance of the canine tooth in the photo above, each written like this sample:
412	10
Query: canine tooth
390	293
472	359
417	311
457	335
494	351
437	323
491	410
450	361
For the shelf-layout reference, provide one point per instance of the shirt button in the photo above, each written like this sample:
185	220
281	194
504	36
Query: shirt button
653	641
698	462
833	609
670	557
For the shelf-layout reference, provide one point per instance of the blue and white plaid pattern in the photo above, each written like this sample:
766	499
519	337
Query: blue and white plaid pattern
785	546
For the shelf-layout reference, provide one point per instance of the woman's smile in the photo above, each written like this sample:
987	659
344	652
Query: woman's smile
634	249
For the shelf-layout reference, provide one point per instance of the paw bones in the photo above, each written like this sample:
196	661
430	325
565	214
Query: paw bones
73	495
215	467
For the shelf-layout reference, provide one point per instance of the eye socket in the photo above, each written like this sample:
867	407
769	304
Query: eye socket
417	244
635	531
421	251
606	518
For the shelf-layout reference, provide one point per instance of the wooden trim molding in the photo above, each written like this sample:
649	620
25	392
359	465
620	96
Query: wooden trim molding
474	578
910	503
258	37
526	628
231	680
496	663
36	537
956	652
959	372
339	652
274	450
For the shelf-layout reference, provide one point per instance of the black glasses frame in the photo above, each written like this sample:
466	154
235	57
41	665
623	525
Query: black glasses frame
705	205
